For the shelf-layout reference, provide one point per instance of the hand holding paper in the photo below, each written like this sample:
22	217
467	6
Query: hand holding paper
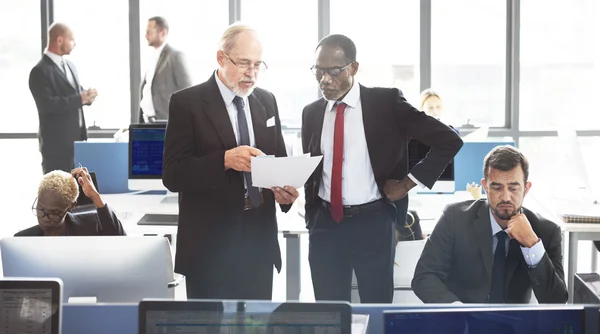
285	195
239	158
269	172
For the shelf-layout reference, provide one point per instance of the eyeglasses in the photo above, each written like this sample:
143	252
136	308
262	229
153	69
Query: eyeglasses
332	71
41	213
260	66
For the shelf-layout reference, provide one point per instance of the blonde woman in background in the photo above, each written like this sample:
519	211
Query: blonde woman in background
431	103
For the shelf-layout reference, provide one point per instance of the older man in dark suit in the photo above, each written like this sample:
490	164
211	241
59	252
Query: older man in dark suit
227	240
494	250
59	97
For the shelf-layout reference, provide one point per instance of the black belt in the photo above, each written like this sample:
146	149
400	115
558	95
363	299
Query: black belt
356	210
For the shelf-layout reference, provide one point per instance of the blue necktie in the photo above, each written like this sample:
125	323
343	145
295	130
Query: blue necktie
497	290
253	193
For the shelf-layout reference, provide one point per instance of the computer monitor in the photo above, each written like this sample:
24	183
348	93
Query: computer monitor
504	320
146	145
417	152
212	316
103	269
29	305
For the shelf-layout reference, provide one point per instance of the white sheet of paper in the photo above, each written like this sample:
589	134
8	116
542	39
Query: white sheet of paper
359	323
268	172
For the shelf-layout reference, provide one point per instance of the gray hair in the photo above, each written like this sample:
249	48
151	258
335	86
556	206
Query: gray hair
229	37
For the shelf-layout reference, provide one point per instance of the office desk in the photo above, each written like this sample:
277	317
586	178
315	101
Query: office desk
572	234
131	207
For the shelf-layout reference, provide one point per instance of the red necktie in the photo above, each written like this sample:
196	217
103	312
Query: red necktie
337	209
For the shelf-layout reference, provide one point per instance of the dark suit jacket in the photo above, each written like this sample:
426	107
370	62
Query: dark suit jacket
102	222
170	75
389	123
456	263
59	106
211	199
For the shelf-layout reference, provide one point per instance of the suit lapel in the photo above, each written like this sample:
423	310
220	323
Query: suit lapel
259	122
162	60
58	71
218	115
483	231
370	126
512	261
318	116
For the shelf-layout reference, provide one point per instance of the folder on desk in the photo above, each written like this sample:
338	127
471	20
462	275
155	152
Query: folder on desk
579	212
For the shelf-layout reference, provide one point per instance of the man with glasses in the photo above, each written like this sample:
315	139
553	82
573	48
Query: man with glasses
227	240
57	195
359	191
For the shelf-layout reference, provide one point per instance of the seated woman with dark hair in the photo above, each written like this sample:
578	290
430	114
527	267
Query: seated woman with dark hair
57	195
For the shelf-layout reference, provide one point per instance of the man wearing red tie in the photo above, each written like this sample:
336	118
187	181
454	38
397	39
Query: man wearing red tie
355	196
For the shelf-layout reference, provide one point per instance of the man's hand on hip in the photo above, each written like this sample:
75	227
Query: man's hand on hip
239	158
395	189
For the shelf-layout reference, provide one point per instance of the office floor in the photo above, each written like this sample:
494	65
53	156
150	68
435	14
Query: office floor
20	172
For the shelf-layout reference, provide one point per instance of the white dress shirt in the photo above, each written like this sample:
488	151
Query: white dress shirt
358	180
228	96
146	104
532	255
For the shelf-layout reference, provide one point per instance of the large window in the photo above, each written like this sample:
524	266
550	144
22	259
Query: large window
194	28
551	173
20	50
289	35
387	41
469	60
101	31
560	63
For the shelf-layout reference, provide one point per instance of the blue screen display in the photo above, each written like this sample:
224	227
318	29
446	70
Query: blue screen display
147	145
486	321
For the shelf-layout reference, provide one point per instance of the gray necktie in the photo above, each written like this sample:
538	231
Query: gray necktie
253	193
64	66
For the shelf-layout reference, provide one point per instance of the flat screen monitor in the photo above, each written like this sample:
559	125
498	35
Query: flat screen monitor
211	316
417	151
146	145
106	269
29	305
555	320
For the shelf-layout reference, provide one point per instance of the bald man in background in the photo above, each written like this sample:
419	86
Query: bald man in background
59	98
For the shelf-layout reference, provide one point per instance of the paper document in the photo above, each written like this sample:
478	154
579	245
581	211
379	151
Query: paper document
359	323
268	171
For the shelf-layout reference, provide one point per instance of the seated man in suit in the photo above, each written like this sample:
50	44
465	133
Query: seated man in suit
57	195
494	250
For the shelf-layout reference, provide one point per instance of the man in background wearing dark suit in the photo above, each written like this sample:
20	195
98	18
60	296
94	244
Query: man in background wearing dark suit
166	73
494	250
60	98
227	240
362	134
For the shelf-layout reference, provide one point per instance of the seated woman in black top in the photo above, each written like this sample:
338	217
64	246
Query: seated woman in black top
57	195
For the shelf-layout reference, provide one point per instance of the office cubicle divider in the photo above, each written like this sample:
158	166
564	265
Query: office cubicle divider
109	160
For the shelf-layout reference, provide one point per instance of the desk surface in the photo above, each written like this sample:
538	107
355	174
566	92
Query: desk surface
131	207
